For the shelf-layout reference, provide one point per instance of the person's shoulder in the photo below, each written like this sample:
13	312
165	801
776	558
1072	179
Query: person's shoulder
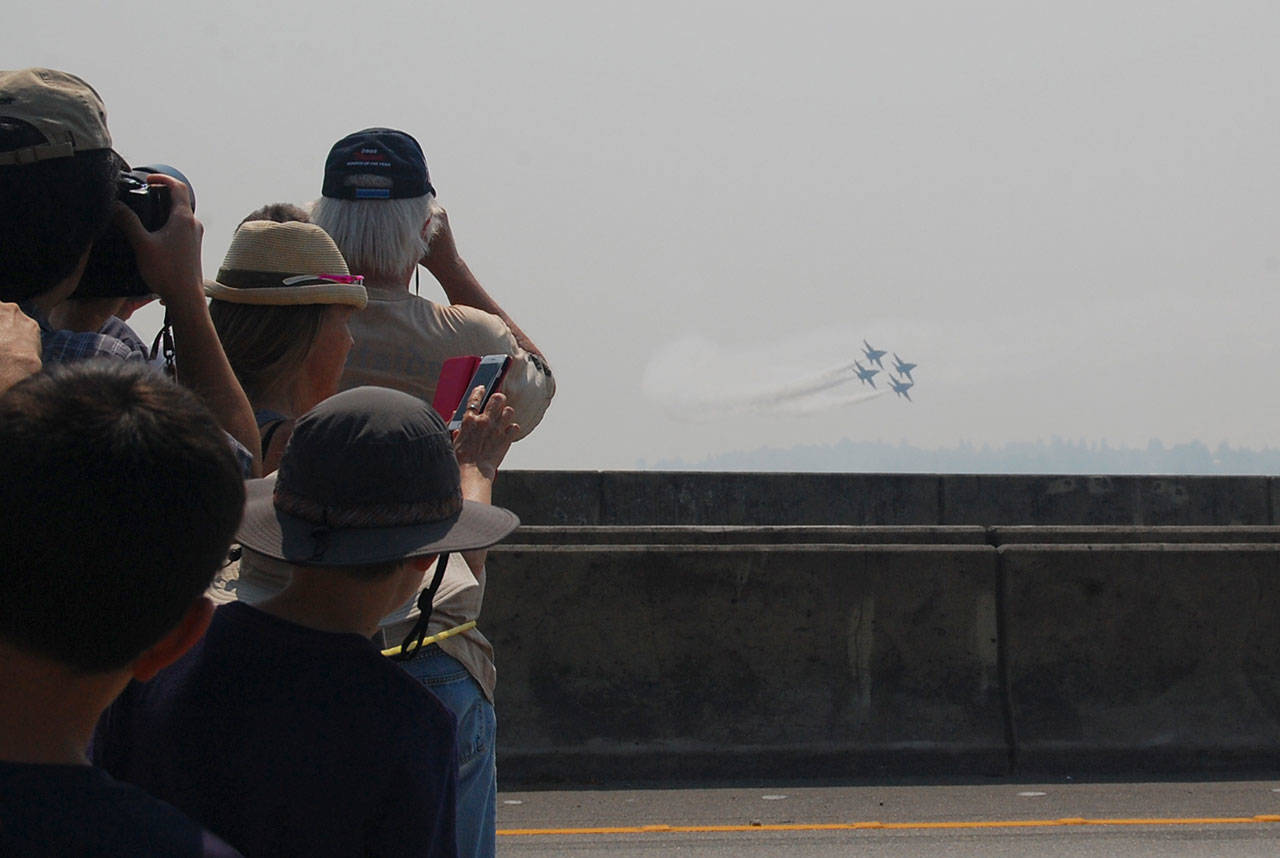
79	810
67	346
118	329
461	315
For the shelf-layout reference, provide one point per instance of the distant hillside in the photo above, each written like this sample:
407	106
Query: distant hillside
1040	457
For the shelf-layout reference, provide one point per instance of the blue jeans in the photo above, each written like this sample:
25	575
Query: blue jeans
448	680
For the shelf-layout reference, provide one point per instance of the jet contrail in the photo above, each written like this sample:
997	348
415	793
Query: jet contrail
825	403
694	380
787	391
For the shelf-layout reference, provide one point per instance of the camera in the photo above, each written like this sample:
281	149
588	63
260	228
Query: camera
112	270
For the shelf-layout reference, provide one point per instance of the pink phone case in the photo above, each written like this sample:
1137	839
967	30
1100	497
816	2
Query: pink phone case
452	385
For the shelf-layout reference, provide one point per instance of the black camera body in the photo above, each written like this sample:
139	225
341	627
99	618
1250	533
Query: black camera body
112	270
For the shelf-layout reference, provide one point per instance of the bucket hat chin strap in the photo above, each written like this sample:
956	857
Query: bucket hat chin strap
412	642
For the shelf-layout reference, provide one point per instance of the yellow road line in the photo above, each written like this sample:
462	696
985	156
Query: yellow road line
890	826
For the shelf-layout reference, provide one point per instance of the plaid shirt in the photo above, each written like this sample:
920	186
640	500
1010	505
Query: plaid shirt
69	346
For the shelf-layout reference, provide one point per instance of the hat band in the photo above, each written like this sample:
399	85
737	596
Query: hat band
33	154
367	515
240	278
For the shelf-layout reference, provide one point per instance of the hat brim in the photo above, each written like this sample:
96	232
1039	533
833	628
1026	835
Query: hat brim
285	537
290	296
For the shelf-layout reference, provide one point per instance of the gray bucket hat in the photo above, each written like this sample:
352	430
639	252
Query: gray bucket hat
369	476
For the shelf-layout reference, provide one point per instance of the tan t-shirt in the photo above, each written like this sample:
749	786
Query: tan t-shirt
402	340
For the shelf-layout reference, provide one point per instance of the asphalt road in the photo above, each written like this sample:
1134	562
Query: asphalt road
1004	818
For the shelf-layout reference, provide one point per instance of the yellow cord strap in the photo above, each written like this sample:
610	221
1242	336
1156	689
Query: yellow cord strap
438	636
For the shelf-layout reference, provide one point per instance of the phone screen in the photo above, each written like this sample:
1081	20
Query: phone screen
488	374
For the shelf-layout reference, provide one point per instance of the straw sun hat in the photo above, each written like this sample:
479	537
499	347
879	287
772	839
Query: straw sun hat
284	264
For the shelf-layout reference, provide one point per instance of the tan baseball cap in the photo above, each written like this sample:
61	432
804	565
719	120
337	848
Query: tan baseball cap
63	108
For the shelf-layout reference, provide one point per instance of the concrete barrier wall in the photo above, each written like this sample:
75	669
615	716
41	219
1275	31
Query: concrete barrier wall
767	535
845	651
624	662
1143	657
617	498
889	535
1105	500
1088	534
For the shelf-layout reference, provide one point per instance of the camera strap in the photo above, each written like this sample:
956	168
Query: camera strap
412	642
163	346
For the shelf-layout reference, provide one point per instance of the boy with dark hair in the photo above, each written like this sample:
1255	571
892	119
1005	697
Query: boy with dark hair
99	585
286	730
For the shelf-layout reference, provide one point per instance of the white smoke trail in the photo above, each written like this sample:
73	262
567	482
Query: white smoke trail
695	380
826	403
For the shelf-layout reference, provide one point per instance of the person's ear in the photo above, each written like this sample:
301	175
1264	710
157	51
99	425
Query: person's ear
422	564
176	641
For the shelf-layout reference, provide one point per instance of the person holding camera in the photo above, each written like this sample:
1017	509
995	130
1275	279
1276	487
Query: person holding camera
60	181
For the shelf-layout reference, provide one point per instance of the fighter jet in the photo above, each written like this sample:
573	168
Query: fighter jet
903	367
900	387
865	375
873	355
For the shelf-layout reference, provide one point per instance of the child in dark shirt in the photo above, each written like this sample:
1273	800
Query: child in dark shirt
118	500
285	730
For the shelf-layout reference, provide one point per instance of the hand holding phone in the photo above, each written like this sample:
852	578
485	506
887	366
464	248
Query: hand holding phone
488	374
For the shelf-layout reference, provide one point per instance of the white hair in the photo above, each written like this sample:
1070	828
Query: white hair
381	239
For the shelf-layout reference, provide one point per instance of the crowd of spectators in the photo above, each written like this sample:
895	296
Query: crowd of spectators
210	546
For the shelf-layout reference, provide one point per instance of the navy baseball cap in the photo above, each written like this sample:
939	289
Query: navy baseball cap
377	152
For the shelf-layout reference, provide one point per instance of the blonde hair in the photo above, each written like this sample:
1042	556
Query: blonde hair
265	345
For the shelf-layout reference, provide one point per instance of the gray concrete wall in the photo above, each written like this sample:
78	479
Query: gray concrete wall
710	626
827	631
1155	657
736	499
764	535
744	661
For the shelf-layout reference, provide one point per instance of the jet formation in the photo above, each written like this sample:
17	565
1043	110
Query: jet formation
901	383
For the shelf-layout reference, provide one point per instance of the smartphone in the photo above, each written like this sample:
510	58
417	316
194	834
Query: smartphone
489	374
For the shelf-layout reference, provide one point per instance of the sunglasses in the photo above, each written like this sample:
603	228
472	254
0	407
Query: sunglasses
310	279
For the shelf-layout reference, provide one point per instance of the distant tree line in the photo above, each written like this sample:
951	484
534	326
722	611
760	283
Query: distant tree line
1058	456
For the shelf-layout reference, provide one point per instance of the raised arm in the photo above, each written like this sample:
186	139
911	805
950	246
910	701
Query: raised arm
169	260
480	445
459	284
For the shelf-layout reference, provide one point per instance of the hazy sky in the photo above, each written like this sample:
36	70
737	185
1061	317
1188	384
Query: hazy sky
1065	213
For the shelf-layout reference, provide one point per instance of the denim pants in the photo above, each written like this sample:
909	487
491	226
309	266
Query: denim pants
448	680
